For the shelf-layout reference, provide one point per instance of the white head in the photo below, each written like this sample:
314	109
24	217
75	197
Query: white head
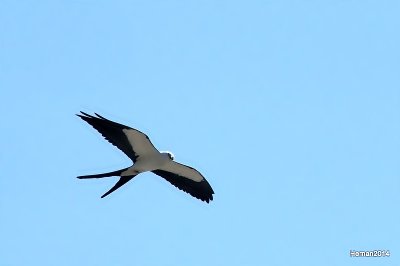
170	155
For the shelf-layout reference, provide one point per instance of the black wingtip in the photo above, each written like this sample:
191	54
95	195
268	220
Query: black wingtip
100	116
85	115
208	200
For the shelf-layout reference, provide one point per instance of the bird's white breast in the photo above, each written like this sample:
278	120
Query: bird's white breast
147	163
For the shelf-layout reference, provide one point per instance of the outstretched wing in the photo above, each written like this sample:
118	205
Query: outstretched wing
187	179
131	141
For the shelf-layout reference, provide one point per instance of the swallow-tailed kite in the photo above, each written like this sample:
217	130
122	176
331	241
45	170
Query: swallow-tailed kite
145	157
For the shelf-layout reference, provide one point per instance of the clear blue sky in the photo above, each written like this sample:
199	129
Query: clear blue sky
291	109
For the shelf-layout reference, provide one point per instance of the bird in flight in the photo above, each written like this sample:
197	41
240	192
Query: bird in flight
145	157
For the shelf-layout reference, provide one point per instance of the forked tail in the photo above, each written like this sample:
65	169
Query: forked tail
122	181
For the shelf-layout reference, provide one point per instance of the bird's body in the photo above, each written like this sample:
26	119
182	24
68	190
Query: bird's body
145	157
147	163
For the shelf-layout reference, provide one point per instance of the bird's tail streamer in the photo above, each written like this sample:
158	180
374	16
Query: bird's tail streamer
114	173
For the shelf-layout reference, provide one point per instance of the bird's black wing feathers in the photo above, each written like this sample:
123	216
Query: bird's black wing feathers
112	132
201	190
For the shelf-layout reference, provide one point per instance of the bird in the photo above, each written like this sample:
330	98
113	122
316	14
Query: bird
146	158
